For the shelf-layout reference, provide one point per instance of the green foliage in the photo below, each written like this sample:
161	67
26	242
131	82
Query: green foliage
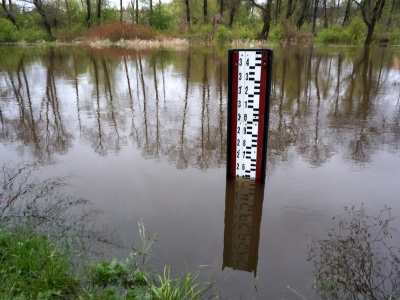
276	34
395	36
105	272
184	287
354	33
333	35
32	35
356	30
223	35
32	266
162	18
7	31
244	33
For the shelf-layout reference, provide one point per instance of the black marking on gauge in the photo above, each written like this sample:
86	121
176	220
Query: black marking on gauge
252	67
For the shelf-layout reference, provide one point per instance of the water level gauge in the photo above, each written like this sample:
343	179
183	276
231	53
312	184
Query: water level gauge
248	112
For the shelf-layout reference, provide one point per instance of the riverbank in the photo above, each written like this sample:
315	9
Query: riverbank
35	266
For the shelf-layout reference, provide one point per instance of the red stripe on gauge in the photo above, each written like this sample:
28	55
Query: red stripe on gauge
235	60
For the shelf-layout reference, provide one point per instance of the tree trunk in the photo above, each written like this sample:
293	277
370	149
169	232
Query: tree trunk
99	12
205	11
315	16
151	13
370	15
266	20
89	13
120	11
68	14
278	10
38	5
370	32
346	14
289	9
9	12
187	12
302	18
221	7
137	12
325	15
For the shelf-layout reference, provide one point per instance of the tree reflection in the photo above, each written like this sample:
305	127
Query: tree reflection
323	103
360	258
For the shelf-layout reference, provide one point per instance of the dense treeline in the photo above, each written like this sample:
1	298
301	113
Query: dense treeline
326	21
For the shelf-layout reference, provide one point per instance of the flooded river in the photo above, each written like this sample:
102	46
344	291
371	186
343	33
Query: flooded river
143	132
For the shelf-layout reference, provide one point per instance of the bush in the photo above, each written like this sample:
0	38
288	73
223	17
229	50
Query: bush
162	18
243	33
8	32
356	31
223	35
118	31
333	35
395	35
32	35
276	34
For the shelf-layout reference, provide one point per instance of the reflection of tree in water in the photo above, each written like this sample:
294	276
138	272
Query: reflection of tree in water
45	206
360	259
322	104
43	128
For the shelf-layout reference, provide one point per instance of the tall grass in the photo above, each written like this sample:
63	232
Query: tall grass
32	266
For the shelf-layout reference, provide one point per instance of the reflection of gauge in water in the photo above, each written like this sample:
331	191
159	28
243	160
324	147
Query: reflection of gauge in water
248	112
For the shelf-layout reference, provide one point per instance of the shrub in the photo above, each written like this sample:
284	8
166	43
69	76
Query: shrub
205	32
118	31
276	34
333	35
223	35
162	18
395	35
356	30
31	35
243	33
7	31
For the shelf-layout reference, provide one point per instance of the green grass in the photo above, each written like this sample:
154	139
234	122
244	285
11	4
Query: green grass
34	267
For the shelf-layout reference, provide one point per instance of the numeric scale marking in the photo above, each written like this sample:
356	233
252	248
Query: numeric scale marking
249	109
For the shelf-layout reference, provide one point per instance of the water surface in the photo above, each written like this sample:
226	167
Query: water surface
144	133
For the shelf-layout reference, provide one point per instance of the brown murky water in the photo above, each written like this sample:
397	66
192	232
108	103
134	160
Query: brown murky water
144	133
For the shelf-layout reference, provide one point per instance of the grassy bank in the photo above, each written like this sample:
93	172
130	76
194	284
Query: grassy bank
36	267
